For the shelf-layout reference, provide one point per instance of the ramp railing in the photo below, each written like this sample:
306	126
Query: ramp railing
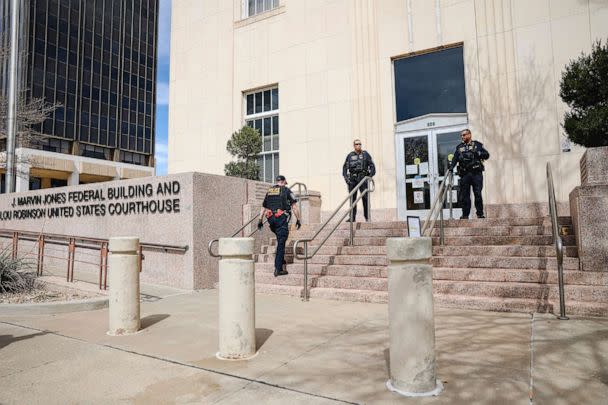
73	244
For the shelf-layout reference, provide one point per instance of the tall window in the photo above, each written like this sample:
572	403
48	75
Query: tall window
262	113
260	6
430	83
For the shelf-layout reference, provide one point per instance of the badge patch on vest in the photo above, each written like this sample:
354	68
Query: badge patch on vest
274	191
462	149
354	157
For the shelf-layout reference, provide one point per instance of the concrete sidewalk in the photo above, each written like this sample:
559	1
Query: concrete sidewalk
319	352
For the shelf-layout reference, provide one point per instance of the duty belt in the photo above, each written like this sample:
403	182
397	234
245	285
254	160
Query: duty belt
276	213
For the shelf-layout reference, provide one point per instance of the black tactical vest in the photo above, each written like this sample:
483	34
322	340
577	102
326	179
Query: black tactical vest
357	164
276	198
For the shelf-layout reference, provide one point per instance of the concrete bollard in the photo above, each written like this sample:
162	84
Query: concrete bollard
411	318
123	275
236	299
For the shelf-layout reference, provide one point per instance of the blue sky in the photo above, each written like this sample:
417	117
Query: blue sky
162	86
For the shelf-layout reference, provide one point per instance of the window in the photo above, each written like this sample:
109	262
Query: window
254	7
430	83
96	152
262	113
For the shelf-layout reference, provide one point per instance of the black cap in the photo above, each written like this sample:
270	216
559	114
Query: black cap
280	177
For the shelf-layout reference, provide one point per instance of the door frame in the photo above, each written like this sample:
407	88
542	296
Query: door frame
423	125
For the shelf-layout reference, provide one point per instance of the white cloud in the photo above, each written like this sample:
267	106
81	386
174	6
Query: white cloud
164	29
162	93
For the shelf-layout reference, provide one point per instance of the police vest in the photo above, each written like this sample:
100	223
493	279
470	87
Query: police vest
469	161
276	199
358	164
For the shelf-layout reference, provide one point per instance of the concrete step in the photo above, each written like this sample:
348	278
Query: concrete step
519	305
503	240
341	241
335	250
514	221
324	281
345	233
330	270
357	260
325	293
524	210
519	230
504	250
446	300
521	290
520	276
506	262
359	225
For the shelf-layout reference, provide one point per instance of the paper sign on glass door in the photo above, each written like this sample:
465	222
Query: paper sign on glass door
424	168
411	169
418	197
418	183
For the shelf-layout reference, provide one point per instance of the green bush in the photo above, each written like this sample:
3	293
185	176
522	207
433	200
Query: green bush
16	275
245	145
584	87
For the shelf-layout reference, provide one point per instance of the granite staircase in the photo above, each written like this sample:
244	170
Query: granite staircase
502	263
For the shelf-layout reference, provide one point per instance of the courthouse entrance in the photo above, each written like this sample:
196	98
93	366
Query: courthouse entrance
430	112
422	148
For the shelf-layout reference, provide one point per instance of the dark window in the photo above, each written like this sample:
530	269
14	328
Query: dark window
430	83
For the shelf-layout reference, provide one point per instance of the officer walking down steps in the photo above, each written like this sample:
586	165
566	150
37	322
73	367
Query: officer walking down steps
469	157
358	164
277	207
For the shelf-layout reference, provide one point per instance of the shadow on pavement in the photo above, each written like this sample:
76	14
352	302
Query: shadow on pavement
152	319
261	336
6	340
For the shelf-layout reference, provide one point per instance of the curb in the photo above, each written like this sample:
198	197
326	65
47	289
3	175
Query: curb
54	307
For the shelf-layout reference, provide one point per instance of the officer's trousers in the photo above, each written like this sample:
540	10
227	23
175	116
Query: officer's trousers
280	227
467	181
351	185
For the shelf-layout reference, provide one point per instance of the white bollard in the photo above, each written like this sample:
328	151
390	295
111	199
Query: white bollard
411	318
236	299
123	276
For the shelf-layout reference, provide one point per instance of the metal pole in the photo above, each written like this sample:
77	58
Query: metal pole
369	202
441	225
11	121
305	298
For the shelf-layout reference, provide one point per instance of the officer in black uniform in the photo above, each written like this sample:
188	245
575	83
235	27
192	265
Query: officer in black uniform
357	165
278	204
469	157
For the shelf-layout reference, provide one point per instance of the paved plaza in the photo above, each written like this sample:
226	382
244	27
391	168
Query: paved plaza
320	352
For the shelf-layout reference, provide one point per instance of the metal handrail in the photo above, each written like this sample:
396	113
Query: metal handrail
559	244
43	238
63	238
371	186
216	240
444	191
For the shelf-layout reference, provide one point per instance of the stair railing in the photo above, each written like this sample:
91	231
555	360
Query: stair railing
370	189
301	186
445	191
559	243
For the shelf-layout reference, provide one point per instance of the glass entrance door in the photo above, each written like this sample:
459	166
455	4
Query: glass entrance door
422	160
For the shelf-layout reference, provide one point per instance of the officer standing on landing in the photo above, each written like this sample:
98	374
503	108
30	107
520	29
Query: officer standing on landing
469	157
278	204
357	166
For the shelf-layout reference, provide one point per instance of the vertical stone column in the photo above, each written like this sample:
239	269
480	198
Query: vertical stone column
123	275
411	318
236	299
22	177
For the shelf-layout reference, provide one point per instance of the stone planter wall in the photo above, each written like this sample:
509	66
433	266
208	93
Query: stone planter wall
589	210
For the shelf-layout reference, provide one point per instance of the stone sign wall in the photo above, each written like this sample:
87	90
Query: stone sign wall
186	209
